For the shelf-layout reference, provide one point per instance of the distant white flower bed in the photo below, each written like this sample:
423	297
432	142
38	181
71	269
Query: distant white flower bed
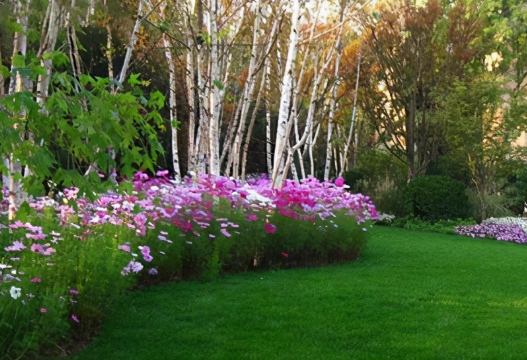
522	222
386	217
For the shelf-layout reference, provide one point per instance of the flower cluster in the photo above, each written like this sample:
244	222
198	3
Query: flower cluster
509	220
190	206
501	232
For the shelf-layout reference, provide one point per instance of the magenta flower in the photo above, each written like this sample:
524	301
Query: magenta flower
145	251
285	255
74	292
225	232
35	280
74	318
43	310
269	228
252	217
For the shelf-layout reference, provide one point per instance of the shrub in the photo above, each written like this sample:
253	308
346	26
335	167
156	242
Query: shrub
441	226
435	198
380	176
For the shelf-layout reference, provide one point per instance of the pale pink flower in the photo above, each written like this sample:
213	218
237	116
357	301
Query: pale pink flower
17	246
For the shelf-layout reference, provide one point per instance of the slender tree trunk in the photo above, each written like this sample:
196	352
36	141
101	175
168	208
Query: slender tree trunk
214	99
344	155
308	131
250	130
172	102
284	125
268	147
16	193
2	79
334	88
131	45
47	46
248	91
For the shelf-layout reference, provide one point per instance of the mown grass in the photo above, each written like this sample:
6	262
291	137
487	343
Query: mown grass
411	295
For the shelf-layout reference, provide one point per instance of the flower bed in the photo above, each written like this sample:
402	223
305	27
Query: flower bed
64	266
502	229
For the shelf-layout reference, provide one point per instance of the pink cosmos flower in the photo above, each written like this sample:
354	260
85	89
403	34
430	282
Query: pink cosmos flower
74	292
74	318
285	255
43	310
269	228
17	246
37	248
225	232
39	236
133	266
148	257
252	217
124	247
35	280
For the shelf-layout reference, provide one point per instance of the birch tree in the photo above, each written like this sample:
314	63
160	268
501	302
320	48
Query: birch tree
284	125
17	81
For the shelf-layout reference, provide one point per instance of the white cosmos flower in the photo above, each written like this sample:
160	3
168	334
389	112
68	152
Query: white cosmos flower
15	292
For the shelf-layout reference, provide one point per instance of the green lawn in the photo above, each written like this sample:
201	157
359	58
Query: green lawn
411	295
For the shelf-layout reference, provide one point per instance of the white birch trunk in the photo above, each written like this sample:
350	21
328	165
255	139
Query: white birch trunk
250	131
16	193
214	99
334	88
131	45
284	125
49	39
268	148
172	103
308	130
344	155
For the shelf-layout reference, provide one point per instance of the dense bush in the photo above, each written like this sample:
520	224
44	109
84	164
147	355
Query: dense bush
435	198
380	176
441	226
63	266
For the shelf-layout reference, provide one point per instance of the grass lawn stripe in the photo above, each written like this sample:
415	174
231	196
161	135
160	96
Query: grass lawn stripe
411	295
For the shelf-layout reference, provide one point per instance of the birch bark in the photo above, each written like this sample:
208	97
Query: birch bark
344	155
284	124
16	193
172	99
131	45
333	104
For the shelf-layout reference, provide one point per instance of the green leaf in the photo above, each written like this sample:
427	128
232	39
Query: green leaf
218	84
19	61
134	79
4	71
